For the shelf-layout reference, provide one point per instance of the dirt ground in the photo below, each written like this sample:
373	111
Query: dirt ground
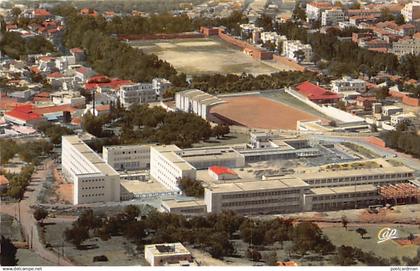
259	112
64	190
203	56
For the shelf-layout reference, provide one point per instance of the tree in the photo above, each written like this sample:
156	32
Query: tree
92	124
399	19
299	55
7	253
253	254
411	238
76	235
132	212
191	188
299	13
15	12
361	231
40	214
344	257
220	130
344	221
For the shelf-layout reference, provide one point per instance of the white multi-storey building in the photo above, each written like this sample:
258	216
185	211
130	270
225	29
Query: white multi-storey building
93	179
256	197
139	93
127	157
160	85
332	17
348	84
411	12
168	168
315	9
406	46
290	47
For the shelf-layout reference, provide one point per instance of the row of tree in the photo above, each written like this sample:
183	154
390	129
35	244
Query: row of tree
219	83
404	139
13	45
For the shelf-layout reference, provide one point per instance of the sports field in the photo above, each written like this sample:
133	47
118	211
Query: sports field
260	112
204	56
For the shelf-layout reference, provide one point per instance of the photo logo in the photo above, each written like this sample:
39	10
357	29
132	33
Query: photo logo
387	234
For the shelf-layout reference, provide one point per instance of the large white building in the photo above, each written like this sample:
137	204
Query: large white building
168	168
127	157
411	12
140	93
196	101
93	179
406	46
256	197
332	17
290	47
348	84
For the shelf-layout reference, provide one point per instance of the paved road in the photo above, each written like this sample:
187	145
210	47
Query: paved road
26	219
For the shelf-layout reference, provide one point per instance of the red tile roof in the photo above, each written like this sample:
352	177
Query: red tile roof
114	84
314	92
23	112
41	12
53	109
55	75
3	180
222	170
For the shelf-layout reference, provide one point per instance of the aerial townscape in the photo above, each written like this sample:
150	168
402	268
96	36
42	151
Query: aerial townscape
210	133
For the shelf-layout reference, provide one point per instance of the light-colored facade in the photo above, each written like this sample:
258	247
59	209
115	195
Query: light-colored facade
376	176
256	197
168	168
290	47
184	207
411	12
127	157
315	9
167	254
196	101
339	198
93	179
348	84
398	118
406	46
389	110
140	93
161	85
332	17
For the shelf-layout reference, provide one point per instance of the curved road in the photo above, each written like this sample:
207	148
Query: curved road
25	216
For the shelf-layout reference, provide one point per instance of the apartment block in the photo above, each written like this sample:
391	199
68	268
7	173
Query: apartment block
406	46
332	17
315	9
140	93
291	47
411	12
348	84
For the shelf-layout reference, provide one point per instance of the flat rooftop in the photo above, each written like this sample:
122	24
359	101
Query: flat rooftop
344	189
127	147
174	203
167	249
169	152
353	172
140	187
260	185
90	155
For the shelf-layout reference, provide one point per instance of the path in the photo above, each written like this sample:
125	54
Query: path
25	215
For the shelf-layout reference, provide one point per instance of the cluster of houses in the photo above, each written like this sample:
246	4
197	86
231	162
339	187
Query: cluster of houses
399	38
60	87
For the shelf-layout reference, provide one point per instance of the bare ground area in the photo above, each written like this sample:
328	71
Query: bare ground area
259	112
199	56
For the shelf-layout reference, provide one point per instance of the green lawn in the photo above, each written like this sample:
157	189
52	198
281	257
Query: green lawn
339	236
